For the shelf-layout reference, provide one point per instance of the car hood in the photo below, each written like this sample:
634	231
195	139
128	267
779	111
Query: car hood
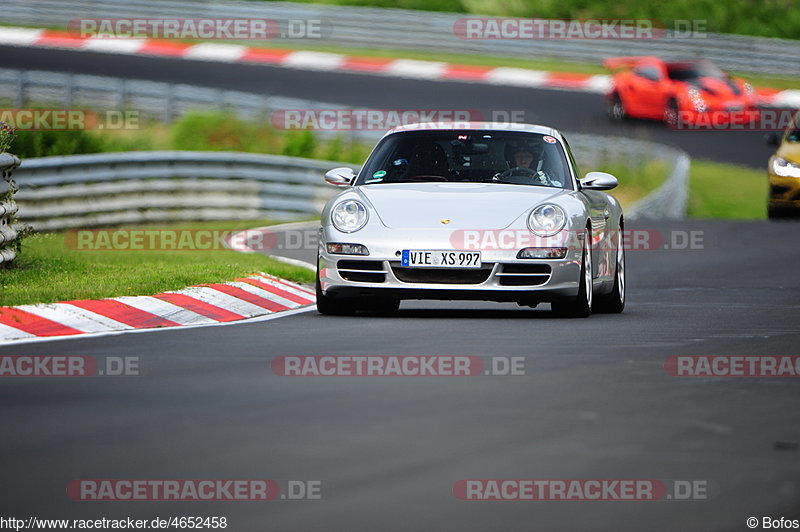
719	89
466	205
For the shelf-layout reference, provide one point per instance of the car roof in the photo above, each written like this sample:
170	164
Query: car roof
477	126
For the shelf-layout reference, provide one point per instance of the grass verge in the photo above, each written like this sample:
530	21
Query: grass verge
718	190
49	271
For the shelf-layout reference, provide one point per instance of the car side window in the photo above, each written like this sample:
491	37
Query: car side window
648	72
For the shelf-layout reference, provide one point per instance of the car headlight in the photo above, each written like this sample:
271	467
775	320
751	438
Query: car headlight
547	219
748	88
697	100
349	216
782	167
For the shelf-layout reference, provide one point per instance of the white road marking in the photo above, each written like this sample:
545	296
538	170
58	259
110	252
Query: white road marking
216	52
74	317
164	309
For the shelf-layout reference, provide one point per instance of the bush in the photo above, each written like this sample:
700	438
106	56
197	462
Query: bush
221	131
46	143
300	144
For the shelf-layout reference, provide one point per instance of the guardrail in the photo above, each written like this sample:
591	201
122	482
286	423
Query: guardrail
151	99
163	186
8	208
420	30
669	201
144	187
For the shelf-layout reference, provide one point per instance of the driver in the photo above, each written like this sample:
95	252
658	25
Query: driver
526	165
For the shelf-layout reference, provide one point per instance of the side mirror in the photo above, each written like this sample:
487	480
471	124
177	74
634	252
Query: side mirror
340	177
772	139
599	181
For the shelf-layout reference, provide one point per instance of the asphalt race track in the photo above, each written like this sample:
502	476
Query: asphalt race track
564	110
595	402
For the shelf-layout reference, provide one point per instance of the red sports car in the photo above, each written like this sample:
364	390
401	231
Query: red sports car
677	92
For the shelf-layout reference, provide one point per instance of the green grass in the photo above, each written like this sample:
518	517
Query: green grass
48	271
718	190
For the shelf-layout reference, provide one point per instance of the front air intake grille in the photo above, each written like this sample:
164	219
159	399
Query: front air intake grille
442	275
362	271
524	274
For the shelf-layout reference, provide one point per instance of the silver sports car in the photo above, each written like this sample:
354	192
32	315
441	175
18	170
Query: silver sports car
484	211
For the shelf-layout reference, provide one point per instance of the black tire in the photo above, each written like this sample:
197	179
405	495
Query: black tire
616	109
614	302
331	306
581	305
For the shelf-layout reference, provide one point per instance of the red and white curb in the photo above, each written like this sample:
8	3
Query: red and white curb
323	61
257	296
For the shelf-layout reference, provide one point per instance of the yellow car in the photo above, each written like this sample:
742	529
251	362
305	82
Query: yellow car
784	172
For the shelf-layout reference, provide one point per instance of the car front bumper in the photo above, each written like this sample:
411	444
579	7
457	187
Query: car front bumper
502	276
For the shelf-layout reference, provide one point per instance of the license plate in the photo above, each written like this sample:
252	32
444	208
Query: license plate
424	258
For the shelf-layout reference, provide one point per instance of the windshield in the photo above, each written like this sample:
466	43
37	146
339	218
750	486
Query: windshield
693	71
468	156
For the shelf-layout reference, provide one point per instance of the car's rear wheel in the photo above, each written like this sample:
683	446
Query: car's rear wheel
581	306
615	301
332	306
616	109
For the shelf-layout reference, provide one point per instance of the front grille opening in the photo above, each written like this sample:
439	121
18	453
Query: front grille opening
527	274
362	277
442	275
527	268
362	271
519	280
360	265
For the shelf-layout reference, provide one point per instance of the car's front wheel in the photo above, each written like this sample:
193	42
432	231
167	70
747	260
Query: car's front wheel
581	306
614	302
